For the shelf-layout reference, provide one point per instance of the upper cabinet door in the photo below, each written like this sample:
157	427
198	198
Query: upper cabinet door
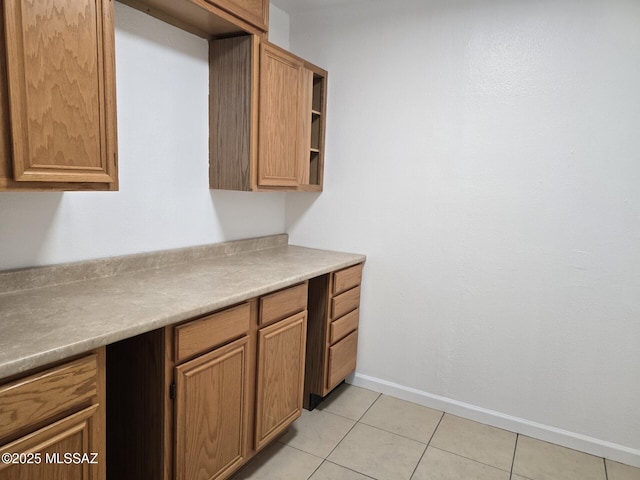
60	66
255	12
281	131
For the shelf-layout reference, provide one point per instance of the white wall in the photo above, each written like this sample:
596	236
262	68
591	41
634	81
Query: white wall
279	27
485	155
164	199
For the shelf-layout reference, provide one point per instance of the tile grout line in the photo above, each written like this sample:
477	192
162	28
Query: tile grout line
606	473
396	433
352	427
513	460
469	458
369	408
349	418
472	460
427	445
326	459
392	433
350	469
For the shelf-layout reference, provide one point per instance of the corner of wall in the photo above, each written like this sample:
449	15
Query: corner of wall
279	26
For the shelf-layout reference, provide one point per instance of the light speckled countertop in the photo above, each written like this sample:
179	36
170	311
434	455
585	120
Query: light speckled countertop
49	323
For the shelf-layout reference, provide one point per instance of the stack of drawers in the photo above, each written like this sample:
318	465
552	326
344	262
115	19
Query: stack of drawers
332	336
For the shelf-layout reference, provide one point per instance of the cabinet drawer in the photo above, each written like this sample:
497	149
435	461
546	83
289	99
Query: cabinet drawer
282	304
44	395
208	332
342	326
342	359
345	302
347	278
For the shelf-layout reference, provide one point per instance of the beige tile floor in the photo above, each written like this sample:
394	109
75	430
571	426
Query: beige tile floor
357	434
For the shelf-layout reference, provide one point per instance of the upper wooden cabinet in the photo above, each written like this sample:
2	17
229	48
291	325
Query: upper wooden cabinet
266	118
255	12
209	18
280	127
57	96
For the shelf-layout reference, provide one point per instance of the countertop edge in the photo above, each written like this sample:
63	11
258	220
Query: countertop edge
41	359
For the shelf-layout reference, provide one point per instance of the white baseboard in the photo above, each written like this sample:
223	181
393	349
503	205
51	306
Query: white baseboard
583	443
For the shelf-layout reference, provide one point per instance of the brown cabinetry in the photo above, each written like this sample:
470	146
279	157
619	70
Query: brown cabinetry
57	96
255	12
52	423
271	135
211	413
280	124
281	342
209	18
280	377
197	400
332	337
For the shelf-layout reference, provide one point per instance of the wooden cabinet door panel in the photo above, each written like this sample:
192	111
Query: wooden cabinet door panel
252	11
280	135
5	126
211	413
280	376
61	89
74	434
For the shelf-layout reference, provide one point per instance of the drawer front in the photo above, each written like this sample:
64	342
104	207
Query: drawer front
44	395
348	278
345	302
344	325
283	304
208	332
342	359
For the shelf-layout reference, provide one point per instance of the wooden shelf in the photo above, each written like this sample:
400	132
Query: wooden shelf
316	112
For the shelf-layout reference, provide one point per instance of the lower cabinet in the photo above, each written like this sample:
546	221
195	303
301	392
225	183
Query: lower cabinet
332	334
280	377
52	423
210	413
196	401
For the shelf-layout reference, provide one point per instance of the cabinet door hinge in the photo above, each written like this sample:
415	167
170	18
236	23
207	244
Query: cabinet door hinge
172	391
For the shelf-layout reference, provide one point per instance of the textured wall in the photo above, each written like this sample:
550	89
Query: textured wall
485	155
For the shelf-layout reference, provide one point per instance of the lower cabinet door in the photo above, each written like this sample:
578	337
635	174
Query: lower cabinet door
211	413
68	449
280	377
